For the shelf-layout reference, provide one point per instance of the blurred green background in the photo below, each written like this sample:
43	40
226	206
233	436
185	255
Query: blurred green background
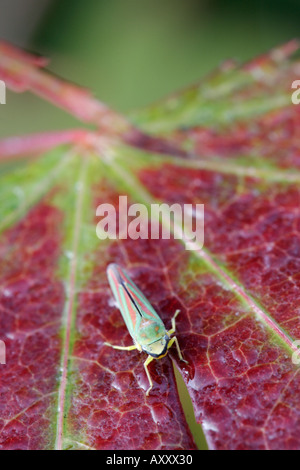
132	52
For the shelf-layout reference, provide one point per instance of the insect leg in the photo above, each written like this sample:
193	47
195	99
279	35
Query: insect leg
173	329
124	348
175	340
146	363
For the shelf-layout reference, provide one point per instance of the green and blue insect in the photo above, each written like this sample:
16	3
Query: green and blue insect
143	323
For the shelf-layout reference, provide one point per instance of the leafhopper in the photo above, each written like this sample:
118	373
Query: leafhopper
143	323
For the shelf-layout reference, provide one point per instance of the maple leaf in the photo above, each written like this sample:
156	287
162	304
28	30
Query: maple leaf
229	143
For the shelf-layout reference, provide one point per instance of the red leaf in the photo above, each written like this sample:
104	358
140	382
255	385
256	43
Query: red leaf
230	144
31	303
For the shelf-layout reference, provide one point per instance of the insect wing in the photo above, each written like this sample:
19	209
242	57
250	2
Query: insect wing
135	308
127	308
